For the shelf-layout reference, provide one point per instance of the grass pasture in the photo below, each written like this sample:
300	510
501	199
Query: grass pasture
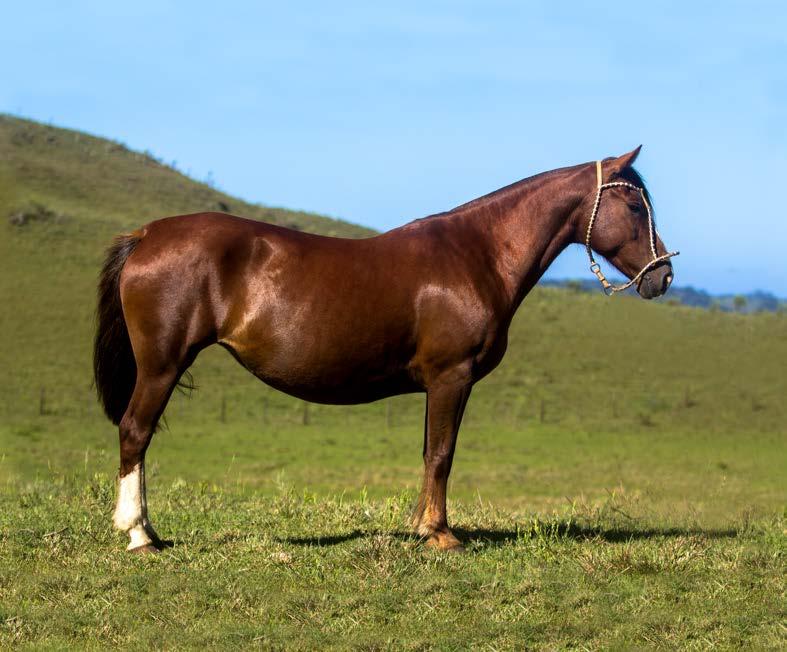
619	481
296	570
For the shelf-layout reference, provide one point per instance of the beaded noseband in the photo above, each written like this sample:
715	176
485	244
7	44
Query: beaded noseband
610	289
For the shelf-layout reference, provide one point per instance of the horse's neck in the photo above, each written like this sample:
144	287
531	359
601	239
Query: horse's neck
528	227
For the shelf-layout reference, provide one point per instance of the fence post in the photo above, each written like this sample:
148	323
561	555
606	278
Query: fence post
305	413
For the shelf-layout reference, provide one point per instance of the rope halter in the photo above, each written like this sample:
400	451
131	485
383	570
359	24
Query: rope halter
608	288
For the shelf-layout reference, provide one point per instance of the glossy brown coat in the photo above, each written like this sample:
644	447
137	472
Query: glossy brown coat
424	307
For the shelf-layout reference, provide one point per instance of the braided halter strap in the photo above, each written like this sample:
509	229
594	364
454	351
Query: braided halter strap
610	289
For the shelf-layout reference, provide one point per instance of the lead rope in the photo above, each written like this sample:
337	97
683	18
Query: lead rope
608	288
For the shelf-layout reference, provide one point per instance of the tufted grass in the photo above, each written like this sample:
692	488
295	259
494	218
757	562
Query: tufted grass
298	571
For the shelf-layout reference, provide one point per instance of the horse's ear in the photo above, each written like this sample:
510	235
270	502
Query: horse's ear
626	161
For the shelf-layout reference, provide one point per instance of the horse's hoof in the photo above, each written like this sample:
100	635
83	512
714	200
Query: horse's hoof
446	542
147	549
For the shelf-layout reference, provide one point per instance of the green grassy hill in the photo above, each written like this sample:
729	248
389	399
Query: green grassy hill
101	183
659	429
577	362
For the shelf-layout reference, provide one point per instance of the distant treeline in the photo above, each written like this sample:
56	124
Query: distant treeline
758	301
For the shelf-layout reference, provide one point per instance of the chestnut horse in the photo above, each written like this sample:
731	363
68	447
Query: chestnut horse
422	308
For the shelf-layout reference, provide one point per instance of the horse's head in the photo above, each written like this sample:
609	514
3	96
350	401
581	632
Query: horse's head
622	229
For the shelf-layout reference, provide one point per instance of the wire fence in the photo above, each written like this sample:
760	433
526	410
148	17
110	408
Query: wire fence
624	405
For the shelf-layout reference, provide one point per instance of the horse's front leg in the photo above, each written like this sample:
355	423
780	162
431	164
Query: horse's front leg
445	404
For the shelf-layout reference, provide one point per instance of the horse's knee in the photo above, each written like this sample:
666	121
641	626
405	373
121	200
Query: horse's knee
441	466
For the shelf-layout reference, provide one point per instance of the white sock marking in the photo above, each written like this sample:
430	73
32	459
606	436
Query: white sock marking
139	537
128	512
131	513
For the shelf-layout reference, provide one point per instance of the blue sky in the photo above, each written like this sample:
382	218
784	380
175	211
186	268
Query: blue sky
381	114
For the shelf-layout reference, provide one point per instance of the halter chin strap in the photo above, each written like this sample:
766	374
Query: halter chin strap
610	289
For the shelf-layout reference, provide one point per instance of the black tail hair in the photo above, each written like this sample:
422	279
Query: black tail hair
114	367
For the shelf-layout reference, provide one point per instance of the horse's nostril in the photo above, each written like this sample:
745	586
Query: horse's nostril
667	281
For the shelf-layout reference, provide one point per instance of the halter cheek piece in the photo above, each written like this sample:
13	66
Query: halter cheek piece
610	289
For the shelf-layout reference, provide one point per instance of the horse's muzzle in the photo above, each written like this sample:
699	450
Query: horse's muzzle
656	281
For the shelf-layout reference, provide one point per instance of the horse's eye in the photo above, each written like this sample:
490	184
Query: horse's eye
634	208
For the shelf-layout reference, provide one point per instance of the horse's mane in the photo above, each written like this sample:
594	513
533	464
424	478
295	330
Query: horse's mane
512	190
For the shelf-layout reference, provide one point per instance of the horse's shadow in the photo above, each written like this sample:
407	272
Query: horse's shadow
484	537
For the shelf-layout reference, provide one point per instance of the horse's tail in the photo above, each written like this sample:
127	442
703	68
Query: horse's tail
114	367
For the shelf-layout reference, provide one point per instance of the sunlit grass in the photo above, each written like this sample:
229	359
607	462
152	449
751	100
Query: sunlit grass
302	572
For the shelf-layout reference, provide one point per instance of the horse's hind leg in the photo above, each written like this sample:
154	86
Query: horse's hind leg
150	396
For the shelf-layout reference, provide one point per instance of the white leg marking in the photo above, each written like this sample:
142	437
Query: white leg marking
130	513
139	537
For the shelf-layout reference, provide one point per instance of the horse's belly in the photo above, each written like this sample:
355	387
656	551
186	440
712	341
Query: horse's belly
344	393
315	368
